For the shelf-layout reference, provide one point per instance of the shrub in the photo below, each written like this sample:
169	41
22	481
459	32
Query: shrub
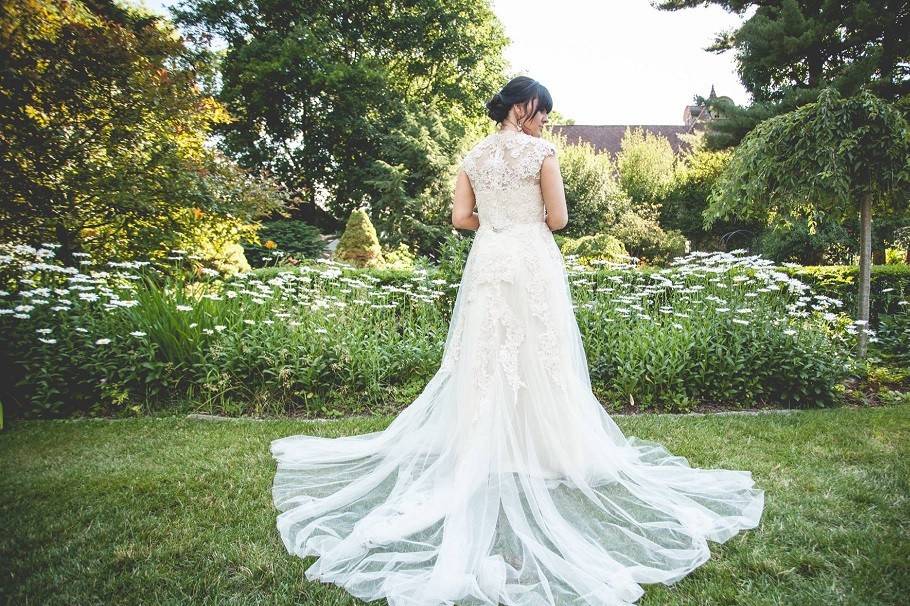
400	257
285	238
328	338
715	328
894	336
647	241
592	191
359	243
595	249
890	284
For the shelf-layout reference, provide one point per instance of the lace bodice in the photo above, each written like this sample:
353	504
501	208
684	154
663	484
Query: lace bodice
504	170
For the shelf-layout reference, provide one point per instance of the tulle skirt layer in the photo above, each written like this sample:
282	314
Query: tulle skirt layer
505	481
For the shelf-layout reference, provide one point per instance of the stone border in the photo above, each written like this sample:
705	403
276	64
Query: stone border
208	417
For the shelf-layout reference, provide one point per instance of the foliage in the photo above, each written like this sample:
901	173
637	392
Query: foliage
399	257
593	196
326	338
359	245
821	157
647	241
285	238
806	240
890	285
788	51
595	249
645	165
896	256
894	337
835	156
409	184
364	106
716	327
103	137
696	170
452	256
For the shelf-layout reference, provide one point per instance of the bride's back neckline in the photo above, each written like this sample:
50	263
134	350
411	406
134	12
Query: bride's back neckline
504	132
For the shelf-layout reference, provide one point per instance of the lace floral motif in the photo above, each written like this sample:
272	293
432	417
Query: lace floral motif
548	342
501	331
504	170
503	160
453	346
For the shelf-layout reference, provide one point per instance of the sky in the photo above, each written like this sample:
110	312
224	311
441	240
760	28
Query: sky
614	61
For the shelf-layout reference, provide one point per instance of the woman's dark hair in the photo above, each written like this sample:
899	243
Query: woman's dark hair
519	90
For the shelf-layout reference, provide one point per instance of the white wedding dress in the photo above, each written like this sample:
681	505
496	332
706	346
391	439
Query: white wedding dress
505	481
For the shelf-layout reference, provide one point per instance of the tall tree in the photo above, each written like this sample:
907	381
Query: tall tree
789	50
840	156
103	131
328	94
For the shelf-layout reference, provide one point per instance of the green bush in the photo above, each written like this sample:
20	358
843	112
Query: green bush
792	242
595	249
894	337
285	238
890	284
714	329
592	191
359	244
647	241
400	257
452	256
326	338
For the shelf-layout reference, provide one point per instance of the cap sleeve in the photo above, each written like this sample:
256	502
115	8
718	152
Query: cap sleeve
541	149
467	165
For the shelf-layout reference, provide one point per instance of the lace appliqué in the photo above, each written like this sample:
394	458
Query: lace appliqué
494	262
452	349
490	267
548	343
501	347
504	170
503	161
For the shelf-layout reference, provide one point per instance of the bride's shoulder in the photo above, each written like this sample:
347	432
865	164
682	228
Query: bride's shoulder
537	146
545	145
520	144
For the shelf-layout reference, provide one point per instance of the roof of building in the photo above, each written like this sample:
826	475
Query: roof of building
608	137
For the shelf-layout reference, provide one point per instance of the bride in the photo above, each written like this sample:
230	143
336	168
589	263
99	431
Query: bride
505	481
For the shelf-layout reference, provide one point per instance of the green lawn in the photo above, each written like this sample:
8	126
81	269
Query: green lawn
171	510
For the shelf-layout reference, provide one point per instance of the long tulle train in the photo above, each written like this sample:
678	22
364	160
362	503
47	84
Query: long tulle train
505	481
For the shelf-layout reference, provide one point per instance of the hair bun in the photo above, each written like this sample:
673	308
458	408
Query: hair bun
519	89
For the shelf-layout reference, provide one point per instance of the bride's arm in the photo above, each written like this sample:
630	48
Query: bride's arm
463	214
554	193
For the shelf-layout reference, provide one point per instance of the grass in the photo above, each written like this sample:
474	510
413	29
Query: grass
170	510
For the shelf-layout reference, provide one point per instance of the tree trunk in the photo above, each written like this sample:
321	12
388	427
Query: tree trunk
865	271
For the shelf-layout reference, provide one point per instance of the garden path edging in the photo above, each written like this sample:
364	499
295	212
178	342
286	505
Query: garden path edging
216	418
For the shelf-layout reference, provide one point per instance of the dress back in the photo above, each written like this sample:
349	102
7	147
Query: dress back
504	170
